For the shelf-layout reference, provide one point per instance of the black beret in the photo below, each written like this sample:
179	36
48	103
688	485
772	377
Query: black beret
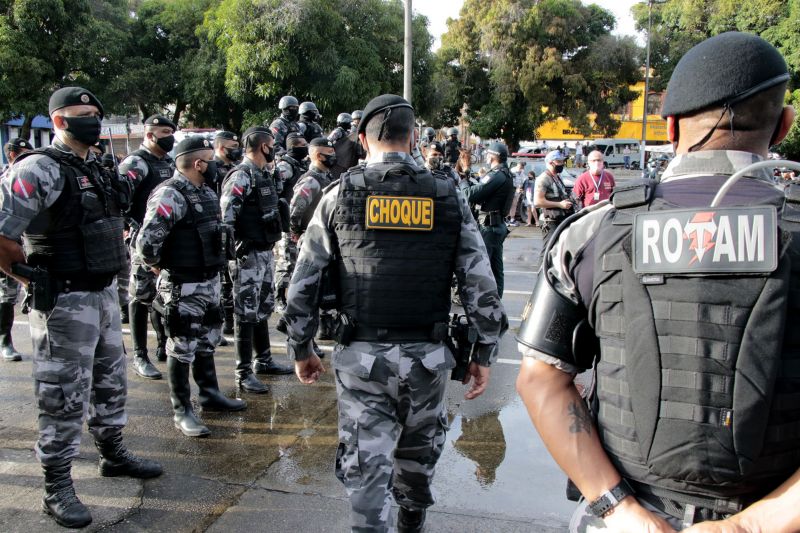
384	102
17	144
160	120
69	96
227	135
723	70
257	129
191	144
321	141
294	135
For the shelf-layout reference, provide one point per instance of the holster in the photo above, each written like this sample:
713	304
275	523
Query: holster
345	329
41	293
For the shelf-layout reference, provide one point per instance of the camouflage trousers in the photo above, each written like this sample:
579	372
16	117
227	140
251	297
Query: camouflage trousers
142	286
9	289
123	284
78	370
193	318
583	521
286	259
392	426
253	298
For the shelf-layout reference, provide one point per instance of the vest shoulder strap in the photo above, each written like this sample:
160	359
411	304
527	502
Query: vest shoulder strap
791	203
49	151
631	195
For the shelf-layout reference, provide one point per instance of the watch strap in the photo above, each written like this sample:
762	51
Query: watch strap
605	503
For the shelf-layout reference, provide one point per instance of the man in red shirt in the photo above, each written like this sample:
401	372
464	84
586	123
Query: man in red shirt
596	183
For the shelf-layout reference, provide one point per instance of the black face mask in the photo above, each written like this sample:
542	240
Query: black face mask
559	169
329	160
292	115
269	155
210	173
234	154
85	130
166	143
298	153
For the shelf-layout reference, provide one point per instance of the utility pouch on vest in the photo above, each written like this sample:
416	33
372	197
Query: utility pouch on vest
104	245
40	291
345	329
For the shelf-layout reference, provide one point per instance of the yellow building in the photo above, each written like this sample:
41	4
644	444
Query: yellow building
630	116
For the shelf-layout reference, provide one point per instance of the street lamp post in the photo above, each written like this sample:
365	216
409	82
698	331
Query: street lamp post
646	84
408	46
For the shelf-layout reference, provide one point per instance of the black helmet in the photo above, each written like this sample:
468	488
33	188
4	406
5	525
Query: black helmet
452	131
429	133
344	118
305	107
288	101
499	149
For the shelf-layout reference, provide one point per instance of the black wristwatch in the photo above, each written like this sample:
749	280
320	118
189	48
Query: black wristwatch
605	503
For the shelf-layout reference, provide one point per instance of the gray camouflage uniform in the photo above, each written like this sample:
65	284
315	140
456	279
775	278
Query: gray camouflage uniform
9	287
78	358
391	395
286	248
253	299
165	207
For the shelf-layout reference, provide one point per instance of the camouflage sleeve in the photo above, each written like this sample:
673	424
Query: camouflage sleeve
335	135
165	207
304	193
302	307
234	190
31	186
134	169
477	287
279	133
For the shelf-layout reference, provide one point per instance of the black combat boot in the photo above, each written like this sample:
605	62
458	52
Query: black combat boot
138	322
157	321
410	520
227	324
264	363
184	417
59	499
205	375
124	317
244	358
280	300
6	323
327	326
116	460
282	326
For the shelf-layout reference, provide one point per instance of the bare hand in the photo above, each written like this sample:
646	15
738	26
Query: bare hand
630	516
309	370
480	380
565	204
155	270
10	253
722	526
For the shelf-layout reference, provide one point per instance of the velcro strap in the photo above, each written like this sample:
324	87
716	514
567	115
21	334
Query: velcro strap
696	413
615	415
792	193
631	196
610	293
697	312
614	262
686	379
622	446
356	177
693	347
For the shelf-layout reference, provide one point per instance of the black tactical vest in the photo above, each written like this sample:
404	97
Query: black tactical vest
194	249
698	383
259	221
504	196
323	180
346	154
83	229
298	169
223	169
392	278
158	171
311	130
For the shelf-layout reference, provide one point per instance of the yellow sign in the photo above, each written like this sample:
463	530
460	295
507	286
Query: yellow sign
400	212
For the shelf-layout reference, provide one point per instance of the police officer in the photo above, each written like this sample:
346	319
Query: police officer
9	287
292	165
70	211
357	114
286	123
391	365
309	121
148	167
346	148
494	194
307	194
434	161
227	153
452	147
551	196
250	206
691	335
184	241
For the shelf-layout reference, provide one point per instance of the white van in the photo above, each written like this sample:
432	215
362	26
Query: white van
613	150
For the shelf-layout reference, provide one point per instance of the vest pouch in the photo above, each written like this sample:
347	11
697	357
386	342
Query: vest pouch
211	241
104	245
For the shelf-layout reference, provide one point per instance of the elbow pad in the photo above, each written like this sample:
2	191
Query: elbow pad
556	326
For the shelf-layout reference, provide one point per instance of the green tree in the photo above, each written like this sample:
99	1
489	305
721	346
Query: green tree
520	63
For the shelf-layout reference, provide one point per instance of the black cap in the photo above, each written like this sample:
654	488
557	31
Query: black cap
722	71
16	144
160	120
195	143
227	135
321	141
257	129
294	135
383	103
69	96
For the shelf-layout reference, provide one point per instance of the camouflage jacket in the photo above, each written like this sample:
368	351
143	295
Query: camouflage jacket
235	189
306	196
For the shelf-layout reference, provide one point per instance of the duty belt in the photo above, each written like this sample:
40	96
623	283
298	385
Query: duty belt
491	218
77	284
434	333
191	276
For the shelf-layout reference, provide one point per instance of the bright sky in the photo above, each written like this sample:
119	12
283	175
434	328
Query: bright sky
438	11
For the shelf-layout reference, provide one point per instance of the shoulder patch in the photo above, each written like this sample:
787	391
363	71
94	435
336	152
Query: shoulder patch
706	241
399	213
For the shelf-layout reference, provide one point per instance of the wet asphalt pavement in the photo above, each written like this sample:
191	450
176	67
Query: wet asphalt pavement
270	467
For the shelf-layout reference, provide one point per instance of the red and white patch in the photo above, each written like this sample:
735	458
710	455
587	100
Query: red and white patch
22	188
236	190
132	175
164	211
305	192
275	131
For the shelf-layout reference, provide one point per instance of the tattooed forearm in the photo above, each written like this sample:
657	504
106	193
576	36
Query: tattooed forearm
581	419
